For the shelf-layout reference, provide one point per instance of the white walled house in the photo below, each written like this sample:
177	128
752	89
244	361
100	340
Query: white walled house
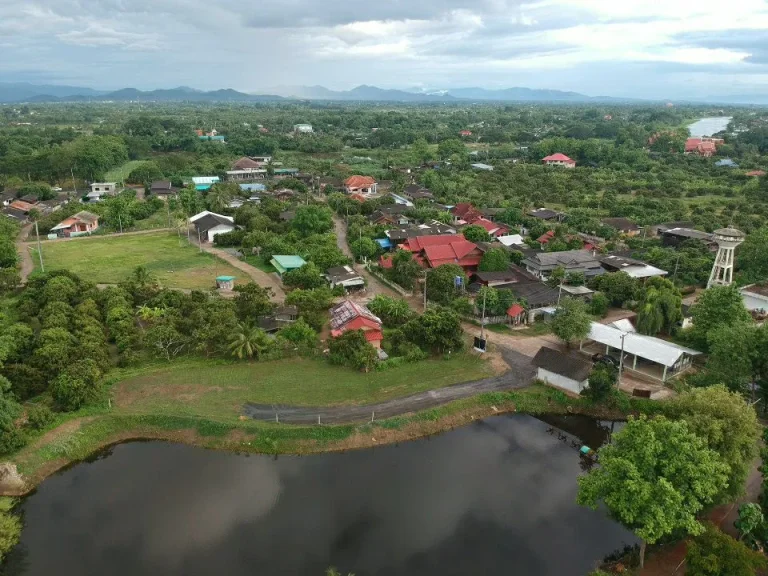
562	371
209	224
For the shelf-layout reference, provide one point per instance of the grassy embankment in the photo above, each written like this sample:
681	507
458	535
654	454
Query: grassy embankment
199	402
108	260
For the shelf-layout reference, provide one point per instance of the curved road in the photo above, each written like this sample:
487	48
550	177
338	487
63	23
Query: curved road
520	374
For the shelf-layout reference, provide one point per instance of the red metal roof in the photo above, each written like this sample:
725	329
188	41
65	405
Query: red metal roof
462	252
490	226
358	197
515	310
418	243
558	157
359	182
756	173
385	261
546	237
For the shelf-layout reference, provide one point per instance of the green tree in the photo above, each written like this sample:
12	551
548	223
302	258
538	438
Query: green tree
749	522
420	150
306	277
619	287
405	270
475	233
299	334
191	201
442	284
730	359
11	438
495	260
10	529
145	173
352	349
571	320
713	553
729	426
312	220
602	379
438	329
451	147
660	307
252	301
165	340
752	257
220	195
599	305
654	478
392	311
248	341
364	248
717	306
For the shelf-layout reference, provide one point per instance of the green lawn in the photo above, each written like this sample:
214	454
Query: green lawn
217	391
260	263
120	173
110	259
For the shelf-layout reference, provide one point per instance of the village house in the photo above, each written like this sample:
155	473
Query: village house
415	192
466	214
676	236
209	224
360	185
390	215
345	276
755	173
559	159
634	268
659	229
163	189
349	315
302	128
204	182
547	215
246	175
280	317
622	226
286	262
101	189
543	264
246	163
562	370
79	224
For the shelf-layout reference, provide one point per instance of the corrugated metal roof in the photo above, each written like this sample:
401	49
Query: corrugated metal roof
646	347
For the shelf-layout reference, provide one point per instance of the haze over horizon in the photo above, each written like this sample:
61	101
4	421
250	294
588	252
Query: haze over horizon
635	49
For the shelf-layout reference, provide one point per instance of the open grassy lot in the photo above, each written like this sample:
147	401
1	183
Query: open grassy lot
217	391
260	263
110	259
120	173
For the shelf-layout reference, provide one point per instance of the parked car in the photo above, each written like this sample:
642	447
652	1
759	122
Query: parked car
605	359
56	189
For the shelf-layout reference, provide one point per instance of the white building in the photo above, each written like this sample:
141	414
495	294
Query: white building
302	128
562	371
755	297
209	224
104	187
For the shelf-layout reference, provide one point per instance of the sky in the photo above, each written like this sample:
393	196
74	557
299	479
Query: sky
627	48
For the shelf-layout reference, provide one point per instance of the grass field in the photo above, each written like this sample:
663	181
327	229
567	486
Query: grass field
260	263
218	391
120	173
110	259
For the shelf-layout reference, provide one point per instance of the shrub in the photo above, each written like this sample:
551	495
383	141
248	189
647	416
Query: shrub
38	417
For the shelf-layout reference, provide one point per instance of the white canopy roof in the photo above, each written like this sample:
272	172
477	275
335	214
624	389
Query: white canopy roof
646	347
646	271
511	240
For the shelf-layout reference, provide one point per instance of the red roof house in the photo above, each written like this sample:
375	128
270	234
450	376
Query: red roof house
756	173
418	243
546	237
462	252
348	316
559	159
516	314
492	228
360	185
465	133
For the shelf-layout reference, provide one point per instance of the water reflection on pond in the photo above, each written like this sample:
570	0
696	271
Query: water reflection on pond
497	496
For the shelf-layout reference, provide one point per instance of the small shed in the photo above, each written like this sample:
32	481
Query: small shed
562	371
225	283
516	314
285	263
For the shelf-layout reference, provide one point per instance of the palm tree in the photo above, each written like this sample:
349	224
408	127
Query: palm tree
248	341
142	277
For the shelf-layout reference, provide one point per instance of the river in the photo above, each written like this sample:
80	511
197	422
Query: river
709	126
494	497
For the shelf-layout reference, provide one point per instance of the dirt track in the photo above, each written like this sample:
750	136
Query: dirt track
519	375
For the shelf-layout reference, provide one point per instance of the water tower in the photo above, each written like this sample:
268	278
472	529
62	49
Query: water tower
722	272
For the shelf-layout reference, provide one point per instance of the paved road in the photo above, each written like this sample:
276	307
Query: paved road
519	375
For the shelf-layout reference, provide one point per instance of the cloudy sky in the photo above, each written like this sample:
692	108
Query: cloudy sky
643	48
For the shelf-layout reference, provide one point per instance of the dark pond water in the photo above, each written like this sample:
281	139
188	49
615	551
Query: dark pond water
495	497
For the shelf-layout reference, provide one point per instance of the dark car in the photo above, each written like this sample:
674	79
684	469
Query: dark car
605	359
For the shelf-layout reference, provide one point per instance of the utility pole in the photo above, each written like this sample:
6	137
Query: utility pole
39	248
621	360
674	276
199	241
482	320
120	220
425	290
168	209
74	184
560	292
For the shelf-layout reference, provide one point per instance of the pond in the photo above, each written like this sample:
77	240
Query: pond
497	496
709	126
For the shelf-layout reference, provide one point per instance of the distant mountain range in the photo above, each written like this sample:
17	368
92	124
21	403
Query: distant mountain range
24	92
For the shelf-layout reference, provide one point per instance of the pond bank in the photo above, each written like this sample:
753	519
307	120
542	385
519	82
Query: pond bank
80	438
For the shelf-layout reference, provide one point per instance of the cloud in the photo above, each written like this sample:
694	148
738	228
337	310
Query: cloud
397	43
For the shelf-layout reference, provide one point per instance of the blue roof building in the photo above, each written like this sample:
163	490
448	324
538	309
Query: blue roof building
726	163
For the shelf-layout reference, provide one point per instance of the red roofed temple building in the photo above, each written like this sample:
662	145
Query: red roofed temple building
351	316
705	147
364	185
559	159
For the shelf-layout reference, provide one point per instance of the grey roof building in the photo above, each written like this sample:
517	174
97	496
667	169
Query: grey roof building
543	264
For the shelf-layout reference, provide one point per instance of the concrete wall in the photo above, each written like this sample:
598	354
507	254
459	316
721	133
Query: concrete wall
221	229
754	303
561	381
